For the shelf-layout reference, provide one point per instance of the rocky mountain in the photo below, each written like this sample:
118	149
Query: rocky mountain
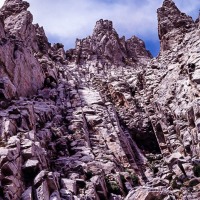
105	45
102	121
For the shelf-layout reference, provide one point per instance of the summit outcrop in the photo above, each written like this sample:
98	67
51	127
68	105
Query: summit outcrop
172	25
21	74
105	44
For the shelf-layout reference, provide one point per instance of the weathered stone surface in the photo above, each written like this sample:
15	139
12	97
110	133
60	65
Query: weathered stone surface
20	71
27	194
108	122
8	90
146	194
69	185
172	24
105	44
42	191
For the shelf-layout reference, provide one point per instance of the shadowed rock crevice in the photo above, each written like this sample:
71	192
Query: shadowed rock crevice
147	140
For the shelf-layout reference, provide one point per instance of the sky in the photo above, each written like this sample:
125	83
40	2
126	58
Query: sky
66	20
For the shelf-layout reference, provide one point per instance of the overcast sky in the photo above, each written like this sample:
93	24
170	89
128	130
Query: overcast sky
66	20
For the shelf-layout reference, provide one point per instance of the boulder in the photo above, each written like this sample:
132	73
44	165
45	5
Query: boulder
146	194
69	185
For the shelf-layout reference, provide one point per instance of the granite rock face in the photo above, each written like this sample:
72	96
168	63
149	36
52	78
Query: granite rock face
172	25
21	72
105	45
103	121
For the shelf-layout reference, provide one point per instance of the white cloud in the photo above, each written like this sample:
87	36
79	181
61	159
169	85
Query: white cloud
69	19
66	20
77	18
1	2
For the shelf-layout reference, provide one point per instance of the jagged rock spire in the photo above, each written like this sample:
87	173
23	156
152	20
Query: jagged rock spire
18	36
167	2
13	7
171	21
103	25
106	45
